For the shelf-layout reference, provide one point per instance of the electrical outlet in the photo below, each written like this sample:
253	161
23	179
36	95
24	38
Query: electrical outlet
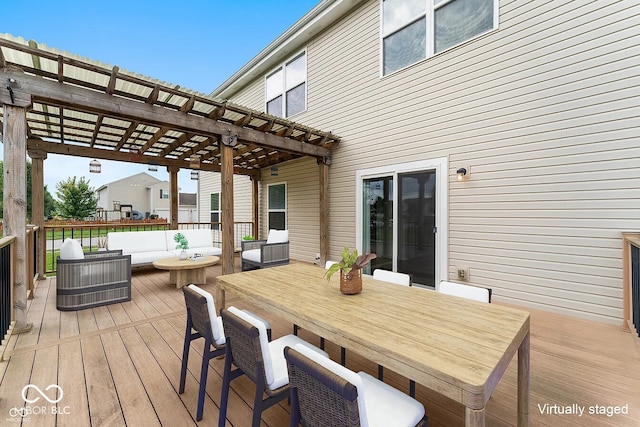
317	259
463	273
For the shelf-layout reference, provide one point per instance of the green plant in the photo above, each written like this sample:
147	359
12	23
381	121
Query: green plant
248	237
350	261
182	241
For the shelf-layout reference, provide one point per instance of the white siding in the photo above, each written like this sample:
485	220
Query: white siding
544	112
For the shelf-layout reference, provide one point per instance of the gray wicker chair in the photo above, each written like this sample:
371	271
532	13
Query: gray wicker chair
262	361
199	319
100	278
324	393
266	253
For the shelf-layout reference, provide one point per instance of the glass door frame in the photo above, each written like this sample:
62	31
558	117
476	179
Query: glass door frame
441	167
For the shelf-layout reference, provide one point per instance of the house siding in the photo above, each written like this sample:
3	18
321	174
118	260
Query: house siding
543	111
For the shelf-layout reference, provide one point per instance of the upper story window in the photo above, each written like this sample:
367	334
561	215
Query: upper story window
413	30
286	88
164	194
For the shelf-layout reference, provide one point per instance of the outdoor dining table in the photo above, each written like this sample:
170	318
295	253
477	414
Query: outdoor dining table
454	346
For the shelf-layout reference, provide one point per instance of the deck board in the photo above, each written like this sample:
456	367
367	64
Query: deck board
120	365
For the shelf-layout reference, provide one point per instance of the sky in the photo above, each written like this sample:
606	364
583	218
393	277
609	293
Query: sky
197	44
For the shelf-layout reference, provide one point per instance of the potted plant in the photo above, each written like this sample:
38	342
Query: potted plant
182	243
350	267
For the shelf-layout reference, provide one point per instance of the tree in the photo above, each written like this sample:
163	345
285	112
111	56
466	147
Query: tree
75	198
49	207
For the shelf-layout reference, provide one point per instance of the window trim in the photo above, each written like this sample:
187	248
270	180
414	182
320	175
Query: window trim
431	8
283	67
286	204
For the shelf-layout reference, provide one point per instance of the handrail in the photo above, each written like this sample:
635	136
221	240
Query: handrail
631	282
7	317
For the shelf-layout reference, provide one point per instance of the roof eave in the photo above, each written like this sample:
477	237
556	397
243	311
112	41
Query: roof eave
314	22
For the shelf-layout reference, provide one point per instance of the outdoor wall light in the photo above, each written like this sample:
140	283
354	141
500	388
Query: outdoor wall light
274	171
194	175
95	166
463	174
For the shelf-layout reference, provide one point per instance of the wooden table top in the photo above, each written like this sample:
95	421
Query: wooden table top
175	263
457	347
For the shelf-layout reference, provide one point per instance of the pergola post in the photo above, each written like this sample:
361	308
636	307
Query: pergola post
173	196
255	205
14	133
37	207
226	176
324	210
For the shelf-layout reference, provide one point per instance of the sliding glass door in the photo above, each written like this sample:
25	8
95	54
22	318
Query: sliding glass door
400	220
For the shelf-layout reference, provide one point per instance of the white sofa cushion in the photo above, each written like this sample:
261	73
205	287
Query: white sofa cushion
251	255
278	236
138	241
71	249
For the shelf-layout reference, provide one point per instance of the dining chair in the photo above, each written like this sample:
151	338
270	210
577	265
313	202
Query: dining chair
202	322
392	276
399	279
261	360
324	393
465	291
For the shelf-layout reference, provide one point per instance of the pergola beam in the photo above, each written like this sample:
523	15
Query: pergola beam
87	100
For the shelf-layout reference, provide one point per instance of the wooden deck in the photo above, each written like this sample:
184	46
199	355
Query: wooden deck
120	365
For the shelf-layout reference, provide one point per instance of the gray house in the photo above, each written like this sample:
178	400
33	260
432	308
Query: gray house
492	141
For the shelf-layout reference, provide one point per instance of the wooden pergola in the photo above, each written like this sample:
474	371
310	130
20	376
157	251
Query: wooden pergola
56	103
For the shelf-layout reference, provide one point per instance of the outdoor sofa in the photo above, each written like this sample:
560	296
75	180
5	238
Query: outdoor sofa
148	246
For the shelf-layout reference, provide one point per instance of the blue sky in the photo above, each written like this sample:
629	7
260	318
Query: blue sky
194	44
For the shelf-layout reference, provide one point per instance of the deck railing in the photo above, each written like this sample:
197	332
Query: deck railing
92	235
631	282
6	297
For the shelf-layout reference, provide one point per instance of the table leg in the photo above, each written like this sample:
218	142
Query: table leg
220	299
474	417
523	381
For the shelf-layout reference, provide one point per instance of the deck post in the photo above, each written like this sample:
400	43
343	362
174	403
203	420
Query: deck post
226	176
14	133
173	196
37	207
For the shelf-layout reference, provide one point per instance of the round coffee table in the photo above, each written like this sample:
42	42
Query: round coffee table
185	272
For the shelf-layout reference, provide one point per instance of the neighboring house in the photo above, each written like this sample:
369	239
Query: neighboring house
144	194
537	100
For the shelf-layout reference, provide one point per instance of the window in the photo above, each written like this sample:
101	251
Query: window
164	194
215	211
413	30
277	207
286	88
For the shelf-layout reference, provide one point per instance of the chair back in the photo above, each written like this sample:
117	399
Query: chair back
322	391
392	276
198	312
216	326
465	291
249	345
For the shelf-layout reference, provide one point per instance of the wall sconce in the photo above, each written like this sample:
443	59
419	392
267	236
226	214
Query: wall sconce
463	174
194	175
95	166
274	171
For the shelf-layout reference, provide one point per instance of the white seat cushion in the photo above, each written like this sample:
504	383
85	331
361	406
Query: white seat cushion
387	406
251	255
278	236
216	321
71	249
464	291
379	404
392	277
